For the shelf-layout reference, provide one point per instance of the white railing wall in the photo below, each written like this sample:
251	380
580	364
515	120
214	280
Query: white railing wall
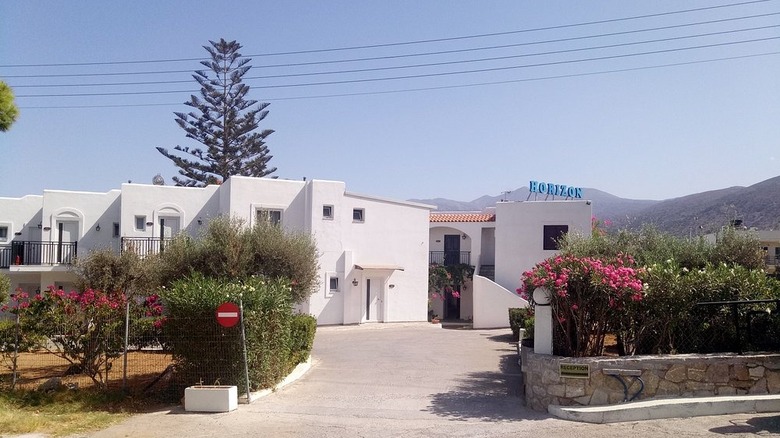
492	303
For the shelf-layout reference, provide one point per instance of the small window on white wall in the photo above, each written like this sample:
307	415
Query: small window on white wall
116	229
140	223
358	215
331	284
3	233
327	212
552	234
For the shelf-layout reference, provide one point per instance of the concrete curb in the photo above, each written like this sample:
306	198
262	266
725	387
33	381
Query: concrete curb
299	371
668	408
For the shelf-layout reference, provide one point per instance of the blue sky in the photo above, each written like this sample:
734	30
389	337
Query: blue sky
640	130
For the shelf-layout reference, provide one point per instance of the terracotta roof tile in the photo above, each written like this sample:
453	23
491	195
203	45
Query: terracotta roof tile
463	217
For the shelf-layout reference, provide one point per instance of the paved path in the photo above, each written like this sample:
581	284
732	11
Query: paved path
413	380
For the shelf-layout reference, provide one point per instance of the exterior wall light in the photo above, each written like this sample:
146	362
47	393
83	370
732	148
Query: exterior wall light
354	282
464	236
97	228
40	225
541	296
391	286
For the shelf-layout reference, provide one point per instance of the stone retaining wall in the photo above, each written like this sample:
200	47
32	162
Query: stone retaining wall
685	375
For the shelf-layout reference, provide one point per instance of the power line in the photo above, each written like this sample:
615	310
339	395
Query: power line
441	87
450	52
72	75
424	75
504	46
403	43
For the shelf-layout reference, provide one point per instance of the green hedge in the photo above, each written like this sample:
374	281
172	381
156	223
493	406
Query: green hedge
521	319
302	331
205	352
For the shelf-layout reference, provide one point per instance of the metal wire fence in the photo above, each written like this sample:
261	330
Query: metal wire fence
708	327
134	355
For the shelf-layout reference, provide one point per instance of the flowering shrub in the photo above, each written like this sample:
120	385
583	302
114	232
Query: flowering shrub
586	295
655	309
445	282
84	328
205	351
670	321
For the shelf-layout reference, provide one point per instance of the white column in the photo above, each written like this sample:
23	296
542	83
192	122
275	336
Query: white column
543	328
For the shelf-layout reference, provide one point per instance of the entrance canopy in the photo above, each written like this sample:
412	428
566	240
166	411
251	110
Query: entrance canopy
367	267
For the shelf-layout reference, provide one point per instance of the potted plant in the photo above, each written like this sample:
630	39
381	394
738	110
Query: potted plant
210	398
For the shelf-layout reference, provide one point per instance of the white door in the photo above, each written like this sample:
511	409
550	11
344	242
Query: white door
373	300
67	236
169	227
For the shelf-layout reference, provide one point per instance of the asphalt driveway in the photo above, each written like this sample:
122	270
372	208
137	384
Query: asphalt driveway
413	380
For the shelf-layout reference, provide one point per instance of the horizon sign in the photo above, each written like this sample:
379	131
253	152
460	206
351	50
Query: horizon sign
555	189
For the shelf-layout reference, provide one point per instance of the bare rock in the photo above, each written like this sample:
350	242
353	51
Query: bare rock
51	385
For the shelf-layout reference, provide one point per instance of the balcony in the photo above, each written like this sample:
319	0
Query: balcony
448	258
34	253
145	246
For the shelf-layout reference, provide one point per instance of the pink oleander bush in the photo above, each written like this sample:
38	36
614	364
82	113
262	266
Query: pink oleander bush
445	282
586	295
645	288
85	328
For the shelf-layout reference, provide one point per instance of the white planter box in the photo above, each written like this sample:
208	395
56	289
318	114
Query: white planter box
214	398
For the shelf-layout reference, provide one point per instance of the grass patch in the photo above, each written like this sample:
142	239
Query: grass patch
64	412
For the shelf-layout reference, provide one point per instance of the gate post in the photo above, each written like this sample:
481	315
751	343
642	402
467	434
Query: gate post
543	323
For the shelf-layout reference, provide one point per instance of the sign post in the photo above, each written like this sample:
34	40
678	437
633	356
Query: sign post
228	315
243	342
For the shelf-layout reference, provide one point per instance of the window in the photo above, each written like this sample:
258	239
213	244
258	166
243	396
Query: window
116	229
358	215
3	233
274	217
551	235
331	284
140	223
327	212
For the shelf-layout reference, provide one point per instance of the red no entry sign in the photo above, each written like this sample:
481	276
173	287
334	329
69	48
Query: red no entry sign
228	314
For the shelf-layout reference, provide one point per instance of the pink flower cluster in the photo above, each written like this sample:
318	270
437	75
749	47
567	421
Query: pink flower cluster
153	305
91	298
559	274
443	295
73	300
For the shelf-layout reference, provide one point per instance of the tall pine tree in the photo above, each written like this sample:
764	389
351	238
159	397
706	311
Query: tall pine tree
8	109
224	121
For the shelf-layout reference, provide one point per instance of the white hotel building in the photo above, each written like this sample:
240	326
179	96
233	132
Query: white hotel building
373	252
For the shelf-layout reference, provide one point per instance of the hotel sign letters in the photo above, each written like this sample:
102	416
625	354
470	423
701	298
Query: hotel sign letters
555	189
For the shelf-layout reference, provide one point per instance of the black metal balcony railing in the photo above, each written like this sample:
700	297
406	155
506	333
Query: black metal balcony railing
144	246
5	256
35	253
772	260
448	258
